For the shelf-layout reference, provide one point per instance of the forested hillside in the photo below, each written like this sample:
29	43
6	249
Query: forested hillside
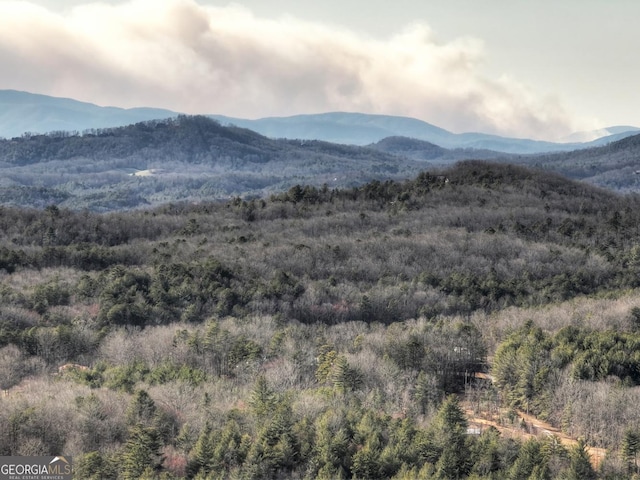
327	333
196	159
181	159
614	166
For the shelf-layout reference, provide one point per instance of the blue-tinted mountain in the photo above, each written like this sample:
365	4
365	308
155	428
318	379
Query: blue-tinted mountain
22	112
427	151
365	129
613	133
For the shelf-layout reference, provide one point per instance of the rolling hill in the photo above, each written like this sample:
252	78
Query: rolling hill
363	129
614	166
22	112
196	158
181	159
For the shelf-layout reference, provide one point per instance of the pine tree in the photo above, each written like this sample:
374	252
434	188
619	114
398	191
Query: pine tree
343	377
201	457
486	452
580	463
141	450
529	459
275	448
424	392
263	399
332	441
142	409
227	449
630	448
449	431
93	466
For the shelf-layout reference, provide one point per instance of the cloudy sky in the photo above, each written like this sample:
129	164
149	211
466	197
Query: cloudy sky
538	69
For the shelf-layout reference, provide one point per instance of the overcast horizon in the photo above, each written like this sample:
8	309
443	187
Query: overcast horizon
539	71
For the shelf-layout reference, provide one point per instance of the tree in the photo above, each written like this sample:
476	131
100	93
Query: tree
630	449
580	467
369	436
201	457
449	430
344	377
333	446
486	453
141	450
93	466
529	462
425	391
142	409
275	449
263	399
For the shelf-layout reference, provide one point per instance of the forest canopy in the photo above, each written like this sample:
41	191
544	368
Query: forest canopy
326	332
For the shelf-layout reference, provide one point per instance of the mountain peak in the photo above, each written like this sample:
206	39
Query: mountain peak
22	112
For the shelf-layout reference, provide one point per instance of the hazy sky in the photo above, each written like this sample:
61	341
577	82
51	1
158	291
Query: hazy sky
539	69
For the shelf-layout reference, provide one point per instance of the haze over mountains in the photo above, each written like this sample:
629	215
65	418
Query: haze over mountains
364	129
22	112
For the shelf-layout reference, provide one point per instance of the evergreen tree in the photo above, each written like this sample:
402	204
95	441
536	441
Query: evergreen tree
425	392
228	452
263	399
142	409
201	457
530	460
275	449
449	430
630	449
580	467
332	451
141	450
93	466
486	453
369	437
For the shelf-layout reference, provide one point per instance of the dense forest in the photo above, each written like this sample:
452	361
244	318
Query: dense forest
329	332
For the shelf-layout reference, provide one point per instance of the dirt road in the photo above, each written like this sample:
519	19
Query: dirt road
529	426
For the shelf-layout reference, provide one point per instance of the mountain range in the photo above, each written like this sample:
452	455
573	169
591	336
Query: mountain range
22	112
166	157
189	158
179	159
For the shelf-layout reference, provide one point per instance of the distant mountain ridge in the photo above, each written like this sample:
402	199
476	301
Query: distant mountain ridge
364	129
192	159
22	112
614	133
179	159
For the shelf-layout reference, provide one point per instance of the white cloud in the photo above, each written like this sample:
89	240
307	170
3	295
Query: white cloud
181	55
